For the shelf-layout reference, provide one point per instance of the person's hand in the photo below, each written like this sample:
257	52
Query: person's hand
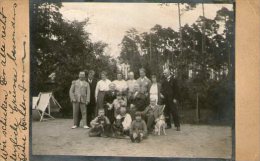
161	95
132	106
73	100
134	135
142	135
87	103
174	101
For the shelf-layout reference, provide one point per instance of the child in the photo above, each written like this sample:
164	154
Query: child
100	126
122	123
138	129
118	103
118	127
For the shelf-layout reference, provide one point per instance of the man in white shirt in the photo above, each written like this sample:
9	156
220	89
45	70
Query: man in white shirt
101	88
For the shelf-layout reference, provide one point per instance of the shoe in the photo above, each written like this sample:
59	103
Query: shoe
178	129
85	127
74	127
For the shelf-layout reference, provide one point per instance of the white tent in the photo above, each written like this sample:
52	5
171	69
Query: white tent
45	103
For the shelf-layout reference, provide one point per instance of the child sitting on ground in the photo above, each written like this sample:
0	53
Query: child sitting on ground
122	123
100	126
138	129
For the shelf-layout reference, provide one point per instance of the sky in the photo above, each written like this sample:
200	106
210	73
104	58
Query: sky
108	22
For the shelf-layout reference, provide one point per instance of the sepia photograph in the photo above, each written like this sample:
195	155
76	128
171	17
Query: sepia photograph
132	79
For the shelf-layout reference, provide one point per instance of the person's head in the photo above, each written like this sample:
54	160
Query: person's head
112	87
91	74
103	75
101	112
131	75
81	75
142	72
152	101
119	76
119	95
166	72
122	110
138	116
136	87
154	79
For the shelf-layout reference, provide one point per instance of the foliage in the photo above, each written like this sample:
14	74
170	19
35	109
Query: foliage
211	66
62	47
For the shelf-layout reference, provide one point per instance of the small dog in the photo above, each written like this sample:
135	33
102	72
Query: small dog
160	125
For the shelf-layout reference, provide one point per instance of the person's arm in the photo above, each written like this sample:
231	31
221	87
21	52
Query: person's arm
145	110
107	120
72	92
88	93
97	89
94	122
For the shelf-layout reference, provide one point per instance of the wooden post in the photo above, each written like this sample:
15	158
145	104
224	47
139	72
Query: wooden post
197	109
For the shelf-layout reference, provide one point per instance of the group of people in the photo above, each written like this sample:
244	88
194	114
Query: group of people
124	108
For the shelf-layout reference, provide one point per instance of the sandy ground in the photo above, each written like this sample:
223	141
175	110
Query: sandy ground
54	137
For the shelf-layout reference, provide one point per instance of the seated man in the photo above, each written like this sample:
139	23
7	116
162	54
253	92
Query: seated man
152	112
100	126
137	101
138	129
122	124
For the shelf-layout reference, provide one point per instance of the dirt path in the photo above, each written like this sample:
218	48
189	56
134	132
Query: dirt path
54	137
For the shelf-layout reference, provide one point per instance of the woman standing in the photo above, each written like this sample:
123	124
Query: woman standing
154	91
101	88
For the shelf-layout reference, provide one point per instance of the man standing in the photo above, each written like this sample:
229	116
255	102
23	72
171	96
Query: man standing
170	93
143	82
92	111
80	97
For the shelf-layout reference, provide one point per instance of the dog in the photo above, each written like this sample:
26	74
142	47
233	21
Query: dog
160	125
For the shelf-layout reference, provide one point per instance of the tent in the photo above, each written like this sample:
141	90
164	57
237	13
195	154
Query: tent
45	103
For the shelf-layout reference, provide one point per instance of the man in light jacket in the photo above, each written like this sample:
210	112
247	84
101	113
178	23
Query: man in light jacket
80	97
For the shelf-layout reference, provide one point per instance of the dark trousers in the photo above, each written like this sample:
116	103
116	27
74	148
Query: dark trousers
171	111
91	113
150	122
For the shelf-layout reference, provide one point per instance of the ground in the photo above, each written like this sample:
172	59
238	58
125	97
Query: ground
54	137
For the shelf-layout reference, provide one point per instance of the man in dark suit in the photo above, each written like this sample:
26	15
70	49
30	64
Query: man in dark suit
170	95
92	111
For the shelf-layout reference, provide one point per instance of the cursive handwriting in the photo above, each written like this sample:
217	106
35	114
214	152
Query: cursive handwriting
4	154
18	148
3	20
13	56
3	80
3	118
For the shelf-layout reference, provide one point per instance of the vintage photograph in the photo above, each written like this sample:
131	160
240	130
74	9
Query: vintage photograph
132	79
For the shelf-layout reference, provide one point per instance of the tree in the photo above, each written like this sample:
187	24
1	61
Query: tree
63	47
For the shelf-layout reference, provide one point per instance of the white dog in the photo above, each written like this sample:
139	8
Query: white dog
160	125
